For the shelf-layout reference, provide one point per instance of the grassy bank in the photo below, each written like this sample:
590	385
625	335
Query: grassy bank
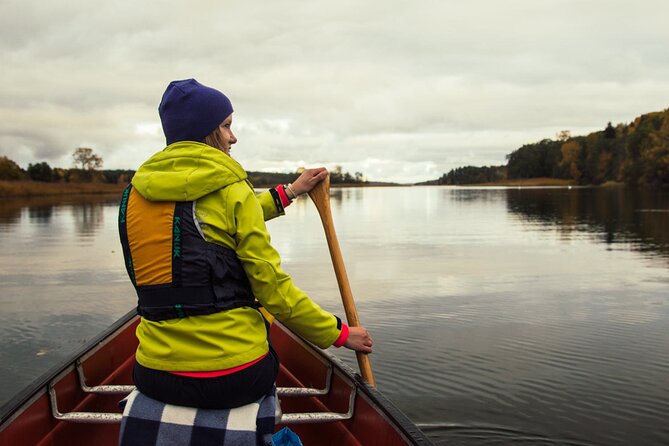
37	189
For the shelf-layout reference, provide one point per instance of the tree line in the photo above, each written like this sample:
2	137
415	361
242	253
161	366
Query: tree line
636	154
269	179
87	169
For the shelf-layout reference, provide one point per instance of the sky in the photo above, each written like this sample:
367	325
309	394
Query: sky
400	91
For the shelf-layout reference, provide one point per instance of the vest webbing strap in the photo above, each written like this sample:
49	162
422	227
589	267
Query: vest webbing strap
123	230
180	208
164	302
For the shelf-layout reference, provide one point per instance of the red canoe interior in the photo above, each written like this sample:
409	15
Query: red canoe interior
111	363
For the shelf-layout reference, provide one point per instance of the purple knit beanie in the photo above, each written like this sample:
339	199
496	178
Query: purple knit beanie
190	111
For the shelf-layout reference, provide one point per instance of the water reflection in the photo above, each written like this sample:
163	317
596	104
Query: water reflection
612	216
465	194
87	218
499	315
86	211
58	253
40	214
340	195
10	211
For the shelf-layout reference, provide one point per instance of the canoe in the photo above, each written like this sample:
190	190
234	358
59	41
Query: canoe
322	399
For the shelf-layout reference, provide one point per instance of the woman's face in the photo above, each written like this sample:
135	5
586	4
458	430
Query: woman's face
227	137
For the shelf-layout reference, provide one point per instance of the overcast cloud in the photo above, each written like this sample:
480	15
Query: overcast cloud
401	91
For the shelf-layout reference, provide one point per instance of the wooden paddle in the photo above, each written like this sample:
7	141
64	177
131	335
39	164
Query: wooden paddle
320	195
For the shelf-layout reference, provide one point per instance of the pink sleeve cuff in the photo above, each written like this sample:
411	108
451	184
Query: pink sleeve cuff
285	201
343	336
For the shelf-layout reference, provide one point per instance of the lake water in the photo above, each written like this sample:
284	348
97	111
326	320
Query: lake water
534	316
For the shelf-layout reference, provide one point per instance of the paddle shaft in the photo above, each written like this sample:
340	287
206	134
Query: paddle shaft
320	195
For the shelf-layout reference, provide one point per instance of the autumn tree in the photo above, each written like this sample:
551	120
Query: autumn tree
563	135
337	175
85	159
655	153
638	139
571	159
9	170
86	164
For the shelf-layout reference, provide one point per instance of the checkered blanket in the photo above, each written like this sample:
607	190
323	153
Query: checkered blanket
149	422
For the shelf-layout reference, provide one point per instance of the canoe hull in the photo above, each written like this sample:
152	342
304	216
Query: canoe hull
108	360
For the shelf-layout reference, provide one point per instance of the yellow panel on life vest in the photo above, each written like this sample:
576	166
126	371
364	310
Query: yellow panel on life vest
149	226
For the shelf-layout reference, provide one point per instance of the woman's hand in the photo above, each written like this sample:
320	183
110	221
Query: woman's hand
309	179
359	340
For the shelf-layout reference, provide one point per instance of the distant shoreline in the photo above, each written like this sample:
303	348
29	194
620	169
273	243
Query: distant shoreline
544	182
21	189
27	189
529	182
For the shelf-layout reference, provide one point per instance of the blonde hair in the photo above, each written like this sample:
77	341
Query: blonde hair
214	139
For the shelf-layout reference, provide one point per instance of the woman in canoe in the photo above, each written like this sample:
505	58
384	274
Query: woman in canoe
199	255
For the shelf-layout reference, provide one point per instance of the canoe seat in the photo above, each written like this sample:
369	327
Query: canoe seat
281	418
148	422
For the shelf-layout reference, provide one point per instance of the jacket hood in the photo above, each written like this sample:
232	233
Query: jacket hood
186	171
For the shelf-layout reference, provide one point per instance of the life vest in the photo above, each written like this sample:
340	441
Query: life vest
175	271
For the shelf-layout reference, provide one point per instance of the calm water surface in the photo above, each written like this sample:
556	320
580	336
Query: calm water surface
534	316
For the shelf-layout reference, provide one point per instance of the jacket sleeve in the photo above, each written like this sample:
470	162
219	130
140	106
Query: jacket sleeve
273	288
271	204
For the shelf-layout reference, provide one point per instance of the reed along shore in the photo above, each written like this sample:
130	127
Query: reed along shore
17	189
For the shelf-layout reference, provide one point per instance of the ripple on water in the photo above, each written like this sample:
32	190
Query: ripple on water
480	435
558	372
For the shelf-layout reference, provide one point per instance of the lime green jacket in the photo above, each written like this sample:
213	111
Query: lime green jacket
232	215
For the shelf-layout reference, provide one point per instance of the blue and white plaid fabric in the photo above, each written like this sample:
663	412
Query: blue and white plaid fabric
149	422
